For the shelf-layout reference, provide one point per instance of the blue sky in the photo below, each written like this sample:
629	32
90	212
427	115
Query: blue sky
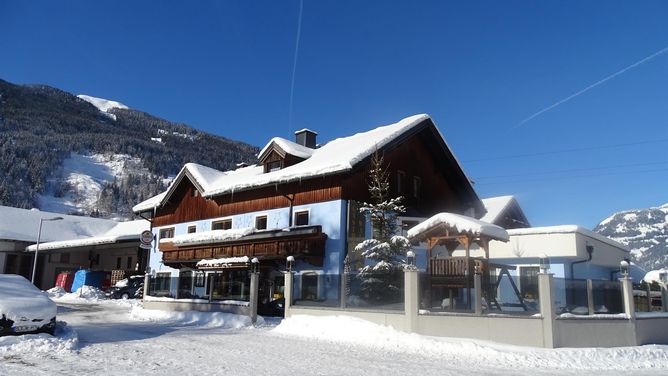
478	68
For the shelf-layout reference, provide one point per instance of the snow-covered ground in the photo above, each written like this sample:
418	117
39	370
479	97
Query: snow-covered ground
120	337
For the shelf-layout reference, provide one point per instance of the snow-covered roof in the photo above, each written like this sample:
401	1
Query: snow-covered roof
23	225
122	231
566	229
495	206
289	147
208	236
654	275
223	262
457	223
339	155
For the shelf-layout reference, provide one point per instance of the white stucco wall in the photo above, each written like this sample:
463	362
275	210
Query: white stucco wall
330	215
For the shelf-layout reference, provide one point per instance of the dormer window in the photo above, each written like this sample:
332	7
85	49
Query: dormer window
273	166
280	153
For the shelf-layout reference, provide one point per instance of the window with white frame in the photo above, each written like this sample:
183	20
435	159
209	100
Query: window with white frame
223	224
301	218
261	222
167	233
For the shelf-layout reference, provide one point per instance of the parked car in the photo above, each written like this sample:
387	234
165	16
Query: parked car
128	288
274	308
24	309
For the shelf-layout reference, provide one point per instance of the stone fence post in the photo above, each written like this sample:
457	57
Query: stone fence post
411	299
627	296
546	297
254	289
477	286
147	281
287	292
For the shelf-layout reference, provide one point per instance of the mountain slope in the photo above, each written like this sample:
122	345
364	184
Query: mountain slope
644	231
41	127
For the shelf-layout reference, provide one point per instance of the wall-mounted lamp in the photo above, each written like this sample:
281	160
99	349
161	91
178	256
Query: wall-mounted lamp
544	262
410	258
624	268
289	263
255	265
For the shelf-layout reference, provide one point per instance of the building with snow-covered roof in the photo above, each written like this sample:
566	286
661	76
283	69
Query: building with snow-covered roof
504	211
67	244
299	200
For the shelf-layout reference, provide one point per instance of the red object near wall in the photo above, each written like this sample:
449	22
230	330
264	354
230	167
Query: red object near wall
65	280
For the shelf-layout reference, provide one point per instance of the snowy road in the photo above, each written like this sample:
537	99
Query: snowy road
114	338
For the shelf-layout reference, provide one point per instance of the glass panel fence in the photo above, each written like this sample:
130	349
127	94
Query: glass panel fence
444	294
607	297
230	285
508	294
571	296
316	289
381	291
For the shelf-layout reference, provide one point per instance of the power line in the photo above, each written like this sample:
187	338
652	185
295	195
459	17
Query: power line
553	178
573	150
573	170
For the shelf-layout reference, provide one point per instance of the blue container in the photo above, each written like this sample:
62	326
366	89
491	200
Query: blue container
88	278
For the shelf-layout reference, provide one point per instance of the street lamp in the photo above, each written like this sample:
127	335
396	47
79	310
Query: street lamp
410	258
624	268
289	263
39	235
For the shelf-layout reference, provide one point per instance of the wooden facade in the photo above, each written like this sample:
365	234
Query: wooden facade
308	243
433	182
418	155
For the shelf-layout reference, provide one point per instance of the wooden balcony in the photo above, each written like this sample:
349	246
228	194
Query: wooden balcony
451	272
302	242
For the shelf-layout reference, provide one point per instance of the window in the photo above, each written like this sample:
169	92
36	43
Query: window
129	264
194	192
529	282
167	233
417	186
192	229
118	262
186	280
261	222
199	279
225	224
301	218
274	166
401	178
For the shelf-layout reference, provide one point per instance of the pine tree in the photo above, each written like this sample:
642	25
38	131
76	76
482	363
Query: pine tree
384	253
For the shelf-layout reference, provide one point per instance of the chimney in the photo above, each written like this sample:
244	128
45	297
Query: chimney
306	137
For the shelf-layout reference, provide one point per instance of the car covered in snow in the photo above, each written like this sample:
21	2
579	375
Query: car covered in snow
128	288
24	309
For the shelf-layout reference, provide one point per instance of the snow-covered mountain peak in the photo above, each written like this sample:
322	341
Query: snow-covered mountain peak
644	231
102	104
